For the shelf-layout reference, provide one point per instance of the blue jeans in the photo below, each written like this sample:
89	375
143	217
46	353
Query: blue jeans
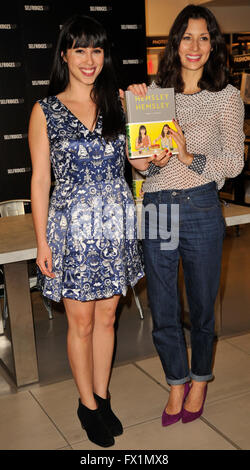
201	233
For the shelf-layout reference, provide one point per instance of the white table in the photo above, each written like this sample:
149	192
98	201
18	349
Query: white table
235	214
17	245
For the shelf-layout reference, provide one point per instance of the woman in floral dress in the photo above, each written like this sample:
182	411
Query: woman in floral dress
86	233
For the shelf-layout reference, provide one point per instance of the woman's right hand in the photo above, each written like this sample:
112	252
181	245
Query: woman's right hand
139	89
44	260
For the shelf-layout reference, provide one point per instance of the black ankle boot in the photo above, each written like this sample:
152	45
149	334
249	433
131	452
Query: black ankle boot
109	418
93	423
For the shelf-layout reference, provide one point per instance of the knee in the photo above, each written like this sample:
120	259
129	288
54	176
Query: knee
203	321
106	318
83	328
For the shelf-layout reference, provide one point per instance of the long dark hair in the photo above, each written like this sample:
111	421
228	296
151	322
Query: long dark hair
214	76
140	136
162	131
83	31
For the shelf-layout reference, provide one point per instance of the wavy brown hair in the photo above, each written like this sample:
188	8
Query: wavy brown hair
215	76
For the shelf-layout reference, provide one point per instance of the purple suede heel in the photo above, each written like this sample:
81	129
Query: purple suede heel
188	416
167	419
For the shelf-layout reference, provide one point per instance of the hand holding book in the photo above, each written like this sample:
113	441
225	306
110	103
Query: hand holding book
179	138
138	89
160	159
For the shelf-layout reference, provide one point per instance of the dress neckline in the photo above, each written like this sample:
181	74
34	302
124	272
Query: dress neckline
77	119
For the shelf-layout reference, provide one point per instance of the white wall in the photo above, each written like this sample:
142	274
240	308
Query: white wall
232	19
160	15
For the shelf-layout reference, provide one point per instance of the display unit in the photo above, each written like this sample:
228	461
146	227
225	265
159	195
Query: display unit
238	189
155	49
245	87
239	56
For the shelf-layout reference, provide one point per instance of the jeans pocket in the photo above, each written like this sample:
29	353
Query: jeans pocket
204	202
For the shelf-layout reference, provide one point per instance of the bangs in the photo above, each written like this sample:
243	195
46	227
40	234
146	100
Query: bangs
88	41
85	33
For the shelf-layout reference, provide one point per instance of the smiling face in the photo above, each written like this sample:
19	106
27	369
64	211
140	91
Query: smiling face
166	130
84	64
195	46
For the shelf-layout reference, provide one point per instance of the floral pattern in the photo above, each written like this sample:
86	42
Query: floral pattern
91	226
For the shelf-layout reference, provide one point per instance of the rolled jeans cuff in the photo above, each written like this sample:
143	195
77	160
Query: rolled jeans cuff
201	378
178	381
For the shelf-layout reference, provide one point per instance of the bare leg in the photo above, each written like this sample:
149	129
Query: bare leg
103	343
174	404
195	397
80	347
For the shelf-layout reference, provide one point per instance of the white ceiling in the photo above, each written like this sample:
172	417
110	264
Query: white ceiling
227	3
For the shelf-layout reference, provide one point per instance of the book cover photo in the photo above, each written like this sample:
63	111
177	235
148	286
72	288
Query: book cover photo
137	182
148	121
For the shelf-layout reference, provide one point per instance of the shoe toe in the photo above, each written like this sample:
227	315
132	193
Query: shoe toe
114	424
167	419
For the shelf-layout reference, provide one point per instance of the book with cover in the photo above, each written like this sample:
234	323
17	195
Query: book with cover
148	121
137	182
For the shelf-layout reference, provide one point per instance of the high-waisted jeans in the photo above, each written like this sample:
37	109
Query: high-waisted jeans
201	229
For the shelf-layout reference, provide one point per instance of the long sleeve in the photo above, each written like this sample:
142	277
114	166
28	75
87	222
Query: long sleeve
231	160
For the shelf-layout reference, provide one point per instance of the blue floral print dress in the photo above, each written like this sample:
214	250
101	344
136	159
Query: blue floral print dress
91	226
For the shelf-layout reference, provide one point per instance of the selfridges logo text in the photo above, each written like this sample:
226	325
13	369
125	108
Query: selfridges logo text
131	26
36	7
40	82
132	61
12	171
40	46
100	8
12	101
8	26
15	136
11	65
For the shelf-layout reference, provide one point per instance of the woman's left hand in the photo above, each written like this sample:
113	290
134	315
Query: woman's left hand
161	159
180	140
121	94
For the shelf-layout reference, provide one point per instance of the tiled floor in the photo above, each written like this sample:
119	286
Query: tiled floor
43	416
